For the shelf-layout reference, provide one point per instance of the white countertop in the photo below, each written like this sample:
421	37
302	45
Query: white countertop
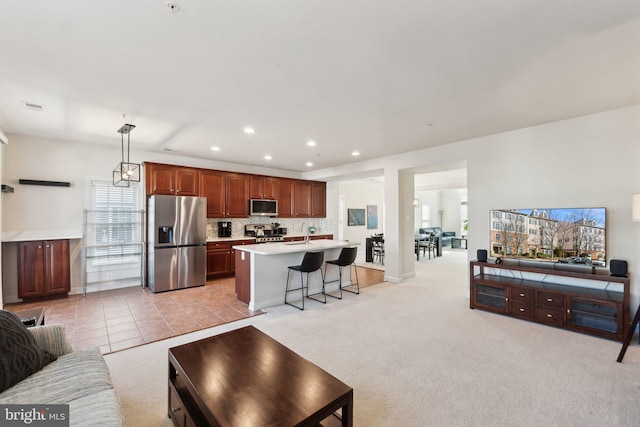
25	236
293	247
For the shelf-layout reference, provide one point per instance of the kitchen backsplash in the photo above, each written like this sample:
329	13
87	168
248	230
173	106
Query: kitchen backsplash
293	225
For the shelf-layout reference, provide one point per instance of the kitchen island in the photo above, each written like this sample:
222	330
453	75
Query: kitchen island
261	270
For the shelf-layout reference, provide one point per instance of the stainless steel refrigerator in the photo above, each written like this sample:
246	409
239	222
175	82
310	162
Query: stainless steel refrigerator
176	242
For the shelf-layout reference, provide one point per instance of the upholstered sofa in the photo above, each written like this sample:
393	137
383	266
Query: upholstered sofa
78	378
445	236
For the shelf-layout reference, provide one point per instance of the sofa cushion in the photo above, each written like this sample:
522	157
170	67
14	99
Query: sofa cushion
20	355
99	409
72	376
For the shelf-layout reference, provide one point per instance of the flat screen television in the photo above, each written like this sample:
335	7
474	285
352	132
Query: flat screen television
566	235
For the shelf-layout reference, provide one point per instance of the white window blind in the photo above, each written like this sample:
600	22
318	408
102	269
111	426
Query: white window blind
114	224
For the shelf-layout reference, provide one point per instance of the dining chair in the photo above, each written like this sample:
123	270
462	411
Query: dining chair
428	245
377	245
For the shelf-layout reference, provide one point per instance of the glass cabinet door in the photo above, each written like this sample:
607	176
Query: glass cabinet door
491	297
594	314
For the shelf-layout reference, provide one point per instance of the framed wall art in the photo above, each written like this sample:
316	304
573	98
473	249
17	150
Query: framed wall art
356	216
372	217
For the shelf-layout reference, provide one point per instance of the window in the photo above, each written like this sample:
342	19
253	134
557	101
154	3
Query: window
114	224
464	218
426	216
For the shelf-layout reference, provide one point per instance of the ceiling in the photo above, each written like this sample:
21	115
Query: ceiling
379	77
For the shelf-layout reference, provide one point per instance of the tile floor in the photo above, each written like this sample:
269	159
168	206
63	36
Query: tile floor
122	318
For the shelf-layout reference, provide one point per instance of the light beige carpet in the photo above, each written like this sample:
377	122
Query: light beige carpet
416	355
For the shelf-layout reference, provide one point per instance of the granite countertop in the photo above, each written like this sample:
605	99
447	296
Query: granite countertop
31	235
279	248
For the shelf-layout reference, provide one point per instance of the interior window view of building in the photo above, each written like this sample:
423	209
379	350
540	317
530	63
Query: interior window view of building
319	214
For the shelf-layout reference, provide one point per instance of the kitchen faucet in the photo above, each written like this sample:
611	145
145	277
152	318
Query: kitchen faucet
304	228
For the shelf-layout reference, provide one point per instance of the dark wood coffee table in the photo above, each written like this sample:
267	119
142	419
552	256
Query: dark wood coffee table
245	378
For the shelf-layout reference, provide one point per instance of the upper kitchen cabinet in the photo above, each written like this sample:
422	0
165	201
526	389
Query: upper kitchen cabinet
262	187
227	194
302	198
237	197
212	187
171	180
318	199
310	199
284	196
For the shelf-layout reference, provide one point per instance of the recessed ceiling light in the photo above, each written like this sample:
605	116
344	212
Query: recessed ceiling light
311	143
309	164
355	153
267	157
249	130
215	148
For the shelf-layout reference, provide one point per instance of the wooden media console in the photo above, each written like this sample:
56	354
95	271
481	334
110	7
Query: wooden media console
573	297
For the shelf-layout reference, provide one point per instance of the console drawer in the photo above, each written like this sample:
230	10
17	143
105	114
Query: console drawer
522	309
523	295
550	299
551	316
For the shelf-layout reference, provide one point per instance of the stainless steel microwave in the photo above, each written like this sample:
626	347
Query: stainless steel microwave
263	207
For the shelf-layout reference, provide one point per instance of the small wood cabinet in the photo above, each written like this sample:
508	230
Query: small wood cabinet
221	259
302	198
310	199
43	268
262	187
318	199
284	196
227	194
597	304
171	180
218	263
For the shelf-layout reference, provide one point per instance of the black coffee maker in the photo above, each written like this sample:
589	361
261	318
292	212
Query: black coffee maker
224	228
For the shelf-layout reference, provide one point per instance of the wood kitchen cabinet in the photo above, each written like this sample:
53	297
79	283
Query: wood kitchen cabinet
318	199
221	257
218	263
262	187
227	194
43	268
171	180
237	195
310	199
284	196
302	198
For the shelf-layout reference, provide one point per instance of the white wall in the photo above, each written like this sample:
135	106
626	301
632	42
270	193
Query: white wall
585	161
358	194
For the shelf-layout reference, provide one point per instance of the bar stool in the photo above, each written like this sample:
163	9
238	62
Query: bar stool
311	262
346	258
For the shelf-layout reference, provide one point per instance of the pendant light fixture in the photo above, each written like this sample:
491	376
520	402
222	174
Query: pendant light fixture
125	172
